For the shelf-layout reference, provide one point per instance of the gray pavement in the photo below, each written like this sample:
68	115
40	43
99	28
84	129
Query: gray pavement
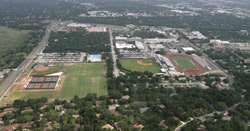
114	56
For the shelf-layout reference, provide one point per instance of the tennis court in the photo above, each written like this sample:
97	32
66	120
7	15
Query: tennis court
43	82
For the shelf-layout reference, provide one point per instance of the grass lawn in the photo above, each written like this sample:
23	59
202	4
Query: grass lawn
184	62
131	64
10	38
80	79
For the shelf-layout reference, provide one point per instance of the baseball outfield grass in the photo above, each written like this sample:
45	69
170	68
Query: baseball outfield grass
140	65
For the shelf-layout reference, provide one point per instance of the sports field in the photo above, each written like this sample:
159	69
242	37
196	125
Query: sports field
79	79
140	65
184	62
43	82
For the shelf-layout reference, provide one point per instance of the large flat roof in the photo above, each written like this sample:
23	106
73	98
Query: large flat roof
188	48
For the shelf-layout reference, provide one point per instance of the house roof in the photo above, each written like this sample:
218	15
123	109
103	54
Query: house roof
107	126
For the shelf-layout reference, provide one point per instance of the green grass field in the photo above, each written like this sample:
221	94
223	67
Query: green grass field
131	64
184	62
80	80
10	38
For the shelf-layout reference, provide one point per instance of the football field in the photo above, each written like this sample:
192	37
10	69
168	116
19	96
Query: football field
184	62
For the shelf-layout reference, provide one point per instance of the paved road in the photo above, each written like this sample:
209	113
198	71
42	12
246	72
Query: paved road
183	124
10	80
114	56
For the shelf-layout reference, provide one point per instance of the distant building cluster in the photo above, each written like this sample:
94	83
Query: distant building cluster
133	47
135	55
104	13
226	44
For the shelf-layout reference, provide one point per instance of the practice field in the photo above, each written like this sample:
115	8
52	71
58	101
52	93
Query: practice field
184	62
78	79
140	65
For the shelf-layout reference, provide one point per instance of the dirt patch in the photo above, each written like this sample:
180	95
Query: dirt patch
41	68
60	84
140	62
69	64
23	81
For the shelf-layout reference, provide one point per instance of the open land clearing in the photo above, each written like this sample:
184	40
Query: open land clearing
77	79
10	38
134	65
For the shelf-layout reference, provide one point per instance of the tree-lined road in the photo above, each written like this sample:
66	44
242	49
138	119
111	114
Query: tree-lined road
114	57
13	76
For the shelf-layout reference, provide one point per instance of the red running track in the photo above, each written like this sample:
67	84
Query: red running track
199	70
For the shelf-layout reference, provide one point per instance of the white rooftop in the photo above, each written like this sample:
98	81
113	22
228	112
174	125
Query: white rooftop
55	74
157	40
156	46
97	29
139	45
122	44
196	35
188	48
78	25
120	38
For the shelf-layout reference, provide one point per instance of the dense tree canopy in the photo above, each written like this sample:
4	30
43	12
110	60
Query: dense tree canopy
79	41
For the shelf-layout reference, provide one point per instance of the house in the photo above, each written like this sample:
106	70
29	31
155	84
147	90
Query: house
7	110
107	126
138	126
98	115
59	107
182	78
2	114
27	110
14	126
163	124
1	122
75	116
126	97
